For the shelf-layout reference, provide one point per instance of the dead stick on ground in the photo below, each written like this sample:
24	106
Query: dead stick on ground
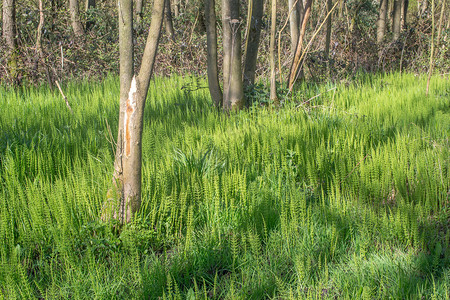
304	102
64	96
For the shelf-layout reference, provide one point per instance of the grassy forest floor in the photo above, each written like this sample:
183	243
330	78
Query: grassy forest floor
345	195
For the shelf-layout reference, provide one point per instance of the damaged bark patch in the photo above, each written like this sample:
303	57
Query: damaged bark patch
130	108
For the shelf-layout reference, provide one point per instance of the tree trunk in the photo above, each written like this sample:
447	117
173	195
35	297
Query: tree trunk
211	39
430	69
9	35
39	51
252	43
273	86
168	20
125	199
75	18
226	44
381	22
294	23
405	4
297	61
396	22
295	19
440	21
233	89
328	34
176	8
139	10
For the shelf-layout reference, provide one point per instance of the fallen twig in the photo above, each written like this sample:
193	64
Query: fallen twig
304	102
64	96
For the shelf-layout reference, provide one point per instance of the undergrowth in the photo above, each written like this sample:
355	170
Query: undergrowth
345	195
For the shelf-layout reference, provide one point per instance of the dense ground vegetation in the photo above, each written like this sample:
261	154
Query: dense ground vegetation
341	195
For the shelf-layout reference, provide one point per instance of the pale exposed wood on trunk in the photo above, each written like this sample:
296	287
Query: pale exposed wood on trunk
128	164
211	39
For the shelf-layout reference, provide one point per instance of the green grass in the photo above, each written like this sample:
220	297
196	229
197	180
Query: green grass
345	197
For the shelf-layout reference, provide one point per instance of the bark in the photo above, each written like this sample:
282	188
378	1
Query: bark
295	19
294	23
9	24
440	21
273	86
328	34
234	92
297	61
253	37
430	69
75	18
168	20
381	22
405	4
39	51
176	8
226	44
211	39
139	10
133	90
396	22
9	35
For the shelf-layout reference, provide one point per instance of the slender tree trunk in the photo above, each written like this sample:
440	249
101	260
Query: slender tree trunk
440	21
273	85
9	35
39	51
295	19
252	43
405	6
211	39
168	20
297	61
430	69
127	173
328	34
226	44
381	22
139	10
233	97
294	23
176	8
341	9
75	18
396	24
